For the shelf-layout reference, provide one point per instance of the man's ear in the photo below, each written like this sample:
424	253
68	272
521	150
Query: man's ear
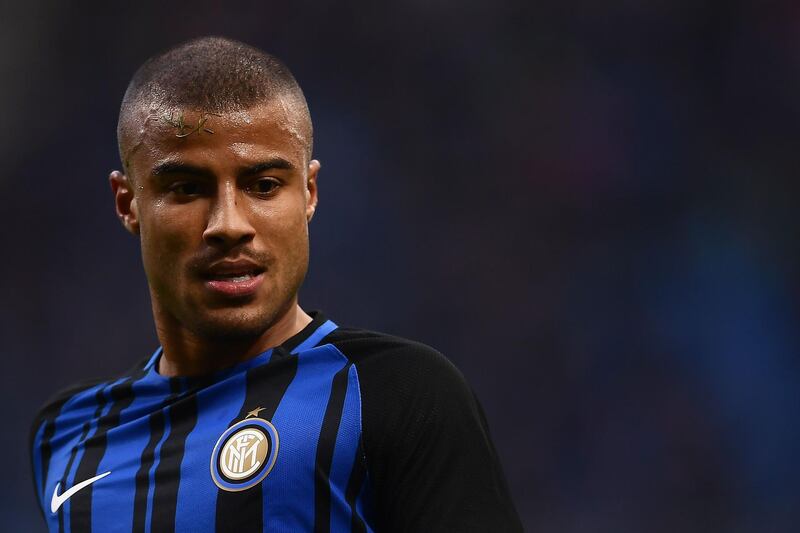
311	189
125	201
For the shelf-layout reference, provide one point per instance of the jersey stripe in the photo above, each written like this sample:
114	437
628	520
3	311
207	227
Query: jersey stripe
266	385
347	441
318	334
113	498
354	486
292	478
94	449
65	436
68	477
325	446
151	476
142	493
38	473
41	441
216	405
182	419
309	336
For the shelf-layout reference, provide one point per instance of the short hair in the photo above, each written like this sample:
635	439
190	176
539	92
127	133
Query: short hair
212	74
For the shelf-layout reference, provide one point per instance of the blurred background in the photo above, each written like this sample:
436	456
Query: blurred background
588	207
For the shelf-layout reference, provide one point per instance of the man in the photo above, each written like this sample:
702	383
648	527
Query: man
253	415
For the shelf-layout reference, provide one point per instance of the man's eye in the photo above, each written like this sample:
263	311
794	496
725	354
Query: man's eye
186	188
264	186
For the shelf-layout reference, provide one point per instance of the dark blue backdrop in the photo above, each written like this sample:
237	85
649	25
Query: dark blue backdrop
590	208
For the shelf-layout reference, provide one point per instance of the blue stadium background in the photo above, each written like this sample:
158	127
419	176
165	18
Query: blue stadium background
589	207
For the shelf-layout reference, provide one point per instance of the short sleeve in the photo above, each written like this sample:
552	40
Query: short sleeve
430	459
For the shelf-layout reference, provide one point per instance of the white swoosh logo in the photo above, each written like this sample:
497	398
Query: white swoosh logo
57	500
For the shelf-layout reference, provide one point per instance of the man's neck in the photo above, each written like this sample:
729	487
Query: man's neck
185	354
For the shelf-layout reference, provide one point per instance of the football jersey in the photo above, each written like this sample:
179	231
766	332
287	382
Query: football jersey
335	430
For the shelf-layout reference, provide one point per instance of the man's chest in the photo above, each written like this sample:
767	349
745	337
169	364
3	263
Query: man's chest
257	452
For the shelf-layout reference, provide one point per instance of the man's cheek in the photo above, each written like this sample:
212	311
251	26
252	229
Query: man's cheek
166	254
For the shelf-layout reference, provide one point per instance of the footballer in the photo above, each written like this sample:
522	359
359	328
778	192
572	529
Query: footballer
253	414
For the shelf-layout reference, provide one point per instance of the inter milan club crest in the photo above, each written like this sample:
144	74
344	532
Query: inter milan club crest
244	454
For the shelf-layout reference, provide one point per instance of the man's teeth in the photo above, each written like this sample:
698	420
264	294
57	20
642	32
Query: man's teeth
242	277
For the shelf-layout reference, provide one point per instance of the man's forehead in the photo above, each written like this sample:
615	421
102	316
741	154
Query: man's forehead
185	122
158	130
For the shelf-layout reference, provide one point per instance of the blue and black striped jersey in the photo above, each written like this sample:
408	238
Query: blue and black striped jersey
335	430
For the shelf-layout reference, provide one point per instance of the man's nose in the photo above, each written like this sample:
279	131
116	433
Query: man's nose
228	224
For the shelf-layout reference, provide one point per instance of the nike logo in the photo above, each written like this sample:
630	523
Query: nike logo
57	500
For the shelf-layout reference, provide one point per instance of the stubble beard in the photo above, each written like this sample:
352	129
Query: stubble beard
246	323
237	325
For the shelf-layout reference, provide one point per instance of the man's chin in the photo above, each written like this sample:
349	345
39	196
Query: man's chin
230	327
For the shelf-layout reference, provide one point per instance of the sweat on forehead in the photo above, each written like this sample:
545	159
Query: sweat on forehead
210	75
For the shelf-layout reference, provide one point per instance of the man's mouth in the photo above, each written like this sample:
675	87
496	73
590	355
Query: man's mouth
235	285
234	278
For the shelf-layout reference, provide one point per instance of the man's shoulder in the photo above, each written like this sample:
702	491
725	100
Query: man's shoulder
367	348
70	397
395	368
56	401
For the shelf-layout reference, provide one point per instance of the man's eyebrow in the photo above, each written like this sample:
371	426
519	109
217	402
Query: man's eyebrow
176	167
268	164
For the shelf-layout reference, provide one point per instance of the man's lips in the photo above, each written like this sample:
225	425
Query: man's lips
233	278
225	269
236	286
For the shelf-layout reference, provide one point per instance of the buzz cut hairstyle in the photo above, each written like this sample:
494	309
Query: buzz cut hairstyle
212	75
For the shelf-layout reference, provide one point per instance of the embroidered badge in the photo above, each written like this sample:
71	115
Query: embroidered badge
244	454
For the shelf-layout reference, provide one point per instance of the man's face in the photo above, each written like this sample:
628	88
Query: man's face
221	204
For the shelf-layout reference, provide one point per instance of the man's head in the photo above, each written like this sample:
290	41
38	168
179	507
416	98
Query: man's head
215	140
212	74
